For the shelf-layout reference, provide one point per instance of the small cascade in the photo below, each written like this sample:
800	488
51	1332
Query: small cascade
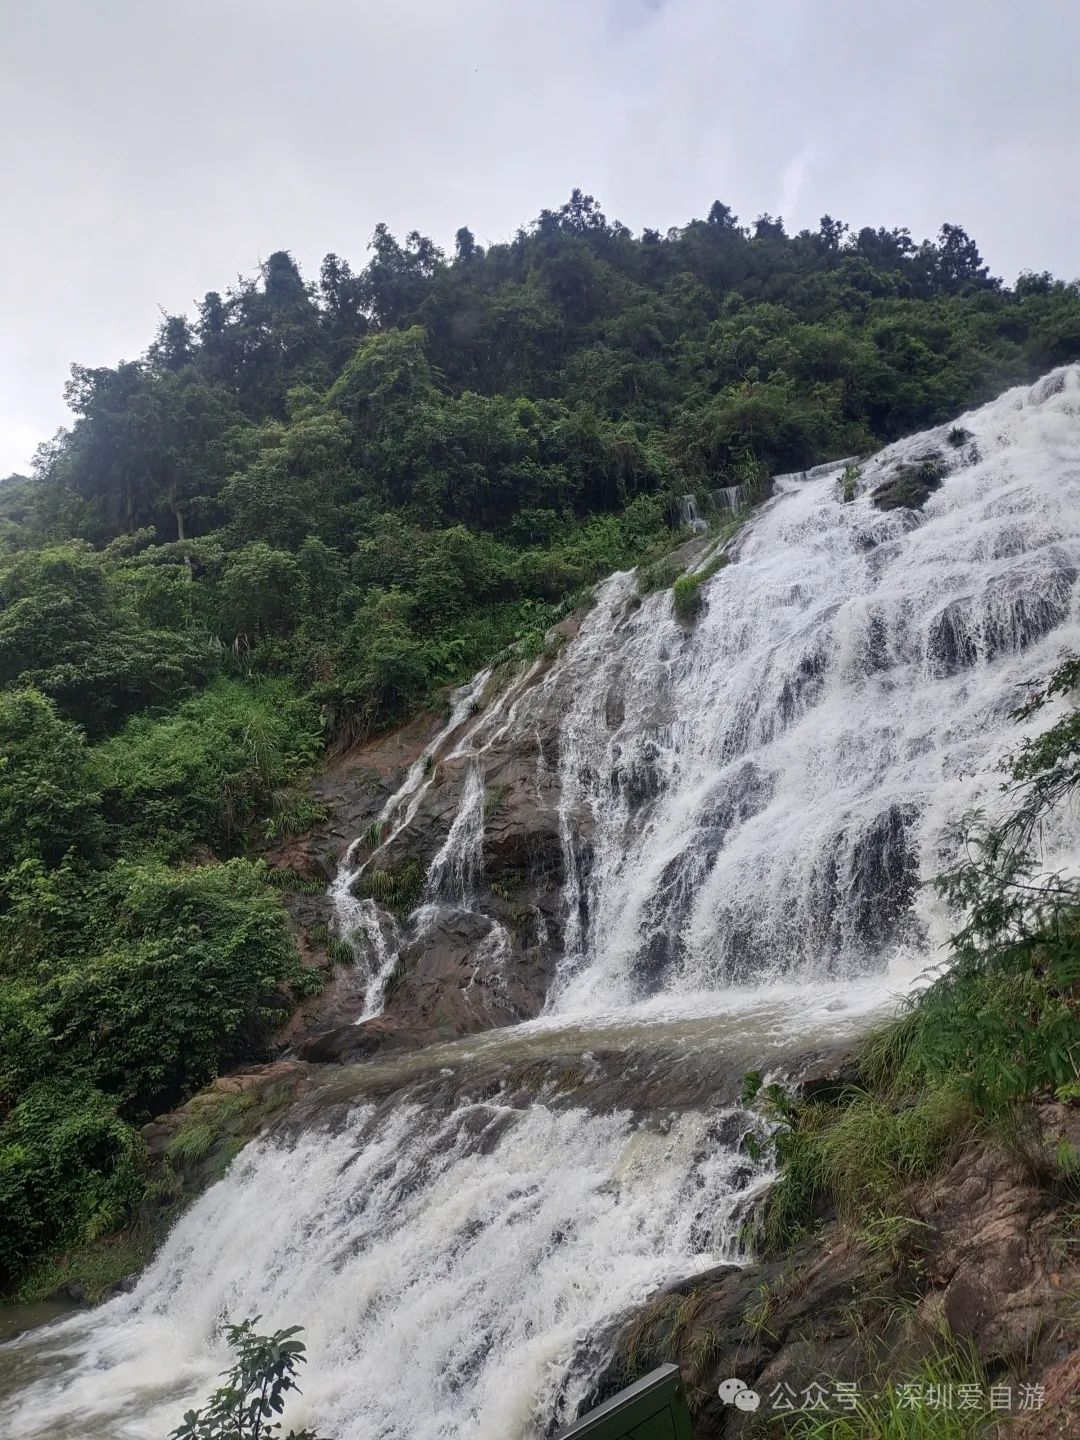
729	499
690	515
456	869
470	733
370	930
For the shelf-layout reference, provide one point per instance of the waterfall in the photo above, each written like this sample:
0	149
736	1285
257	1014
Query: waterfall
450	1278
767	792
729	498
370	931
748	807
690	515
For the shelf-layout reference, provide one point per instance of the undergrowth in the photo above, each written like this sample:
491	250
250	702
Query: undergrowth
947	1397
399	889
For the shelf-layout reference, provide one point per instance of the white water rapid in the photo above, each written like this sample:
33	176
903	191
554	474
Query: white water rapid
748	806
774	784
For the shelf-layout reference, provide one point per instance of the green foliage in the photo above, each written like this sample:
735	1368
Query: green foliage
255	1391
859	1155
191	983
906	1408
910	487
758	1314
48	799
293	882
661	575
121	992
354	483
96	1267
70	1170
340	951
208	1121
259	595
71	627
399	889
494	797
293	813
686	597
209	771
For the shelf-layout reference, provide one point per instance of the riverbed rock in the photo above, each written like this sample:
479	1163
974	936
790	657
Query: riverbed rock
911	484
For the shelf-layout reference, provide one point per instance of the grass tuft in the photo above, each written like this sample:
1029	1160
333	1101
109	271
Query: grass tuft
947	1397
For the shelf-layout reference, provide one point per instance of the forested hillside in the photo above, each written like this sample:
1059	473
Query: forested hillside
312	506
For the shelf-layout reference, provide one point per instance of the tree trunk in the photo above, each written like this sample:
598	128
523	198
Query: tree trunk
181	537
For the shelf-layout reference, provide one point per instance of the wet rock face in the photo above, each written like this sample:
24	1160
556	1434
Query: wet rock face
1011	615
477	941
910	485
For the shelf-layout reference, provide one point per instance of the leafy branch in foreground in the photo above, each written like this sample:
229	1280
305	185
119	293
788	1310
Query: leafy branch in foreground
255	1389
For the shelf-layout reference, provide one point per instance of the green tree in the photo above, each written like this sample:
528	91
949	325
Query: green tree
260	594
209	772
48	802
70	1169
70	627
178	974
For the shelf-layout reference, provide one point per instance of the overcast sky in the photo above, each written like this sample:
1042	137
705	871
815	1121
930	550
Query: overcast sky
153	149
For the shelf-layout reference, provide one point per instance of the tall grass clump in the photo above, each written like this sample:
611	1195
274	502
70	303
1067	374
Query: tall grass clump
947	1397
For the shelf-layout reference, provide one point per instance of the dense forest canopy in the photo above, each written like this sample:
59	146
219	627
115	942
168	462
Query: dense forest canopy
309	507
366	481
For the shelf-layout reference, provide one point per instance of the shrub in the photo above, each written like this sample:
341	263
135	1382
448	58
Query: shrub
207	772
910	487
686	597
48	799
399	890
70	1171
256	1388
193	976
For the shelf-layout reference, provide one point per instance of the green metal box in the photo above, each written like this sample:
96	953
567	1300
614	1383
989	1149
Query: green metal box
653	1409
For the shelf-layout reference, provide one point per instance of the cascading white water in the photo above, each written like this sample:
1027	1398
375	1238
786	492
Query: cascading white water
747	805
456	868
369	930
729	498
451	1279
471	730
691	516
767	790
